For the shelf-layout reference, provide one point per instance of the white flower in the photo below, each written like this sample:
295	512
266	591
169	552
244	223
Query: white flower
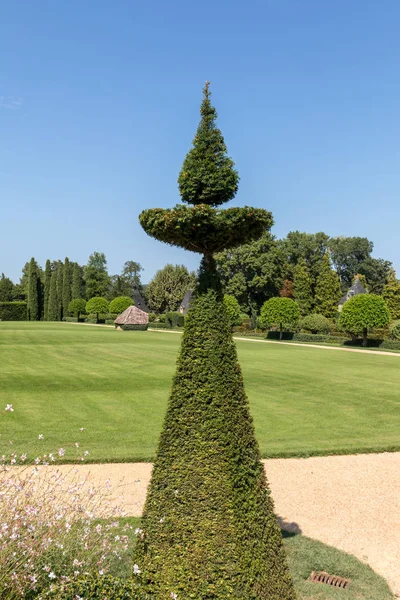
136	570
40	436
138	531
162	520
101	572
61	452
51	575
76	444
174	596
9	407
82	429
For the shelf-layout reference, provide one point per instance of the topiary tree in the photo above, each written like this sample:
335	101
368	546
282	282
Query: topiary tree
316	324
119	304
97	305
282	312
391	295
34	291
209	530
233	310
362	312
77	306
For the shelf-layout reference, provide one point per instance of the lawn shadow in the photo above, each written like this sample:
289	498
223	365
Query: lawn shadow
288	528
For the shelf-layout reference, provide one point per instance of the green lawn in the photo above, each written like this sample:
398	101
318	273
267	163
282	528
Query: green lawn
61	377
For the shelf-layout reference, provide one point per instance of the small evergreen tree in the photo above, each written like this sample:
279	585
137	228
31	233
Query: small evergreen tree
60	278
52	311
302	288
66	288
391	295
6	289
33	292
77	282
209	530
328	290
232	309
282	312
47	280
363	312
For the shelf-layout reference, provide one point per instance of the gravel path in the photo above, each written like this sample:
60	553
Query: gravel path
350	502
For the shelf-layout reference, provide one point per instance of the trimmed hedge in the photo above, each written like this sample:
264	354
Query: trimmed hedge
275	335
174	319
156	325
318	337
138	327
316	324
390	344
13	311
95	587
209	527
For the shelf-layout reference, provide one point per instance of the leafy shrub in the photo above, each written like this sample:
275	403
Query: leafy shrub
161	318
137	327
109	321
391	344
174	319
394	331
13	311
70	319
233	309
316	324
156	325
97	305
363	312
152	317
95	587
119	304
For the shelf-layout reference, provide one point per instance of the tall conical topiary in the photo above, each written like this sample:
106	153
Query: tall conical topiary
209	530
302	288
66	286
76	285
33	291
327	290
60	278
52	311
47	280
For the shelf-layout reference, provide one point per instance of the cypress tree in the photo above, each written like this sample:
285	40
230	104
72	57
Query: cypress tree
60	277
76	286
302	288
47	279
33	292
328	290
209	530
52	311
391	295
66	286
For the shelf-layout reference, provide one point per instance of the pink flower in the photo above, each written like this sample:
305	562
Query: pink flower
9	407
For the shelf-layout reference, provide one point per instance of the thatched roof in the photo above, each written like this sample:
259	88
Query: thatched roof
184	307
132	316
356	289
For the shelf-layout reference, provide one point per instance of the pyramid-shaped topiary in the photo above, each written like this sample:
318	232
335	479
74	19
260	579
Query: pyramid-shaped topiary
209	530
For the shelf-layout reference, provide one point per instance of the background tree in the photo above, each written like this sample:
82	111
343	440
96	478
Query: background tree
302	288
391	295
281	312
119	304
232	309
77	306
60	279
6	289
97	306
376	272
168	287
252	273
52	311
363	312
34	291
327	290
347	254
46	294
218	536
316	323
286	290
131	274
309	247
96	277
77	285
66	286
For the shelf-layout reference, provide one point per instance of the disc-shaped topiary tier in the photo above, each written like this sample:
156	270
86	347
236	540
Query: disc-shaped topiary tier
209	531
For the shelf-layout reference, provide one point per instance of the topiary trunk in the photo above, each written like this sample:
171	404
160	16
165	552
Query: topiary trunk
365	337
209	529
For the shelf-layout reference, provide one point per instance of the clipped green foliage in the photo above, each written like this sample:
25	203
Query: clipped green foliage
77	306
119	304
363	312
96	587
47	280
390	344
209	527
174	319
13	311
233	310
316	324
394	331
34	291
208	175
97	305
281	312
134	327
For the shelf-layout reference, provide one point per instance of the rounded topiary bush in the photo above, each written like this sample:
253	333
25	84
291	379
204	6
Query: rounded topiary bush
316	324
282	312
97	306
363	312
119	304
394	331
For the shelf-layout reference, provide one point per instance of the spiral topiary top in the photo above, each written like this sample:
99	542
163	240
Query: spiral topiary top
207	179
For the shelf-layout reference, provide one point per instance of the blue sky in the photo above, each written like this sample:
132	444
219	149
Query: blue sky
99	103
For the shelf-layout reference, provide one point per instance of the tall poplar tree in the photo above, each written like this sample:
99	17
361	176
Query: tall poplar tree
328	290
60	274
302	288
33	291
77	282
391	295
47	279
66	287
52	311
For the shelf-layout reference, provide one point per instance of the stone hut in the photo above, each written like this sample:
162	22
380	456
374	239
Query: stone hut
185	305
132	318
356	289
